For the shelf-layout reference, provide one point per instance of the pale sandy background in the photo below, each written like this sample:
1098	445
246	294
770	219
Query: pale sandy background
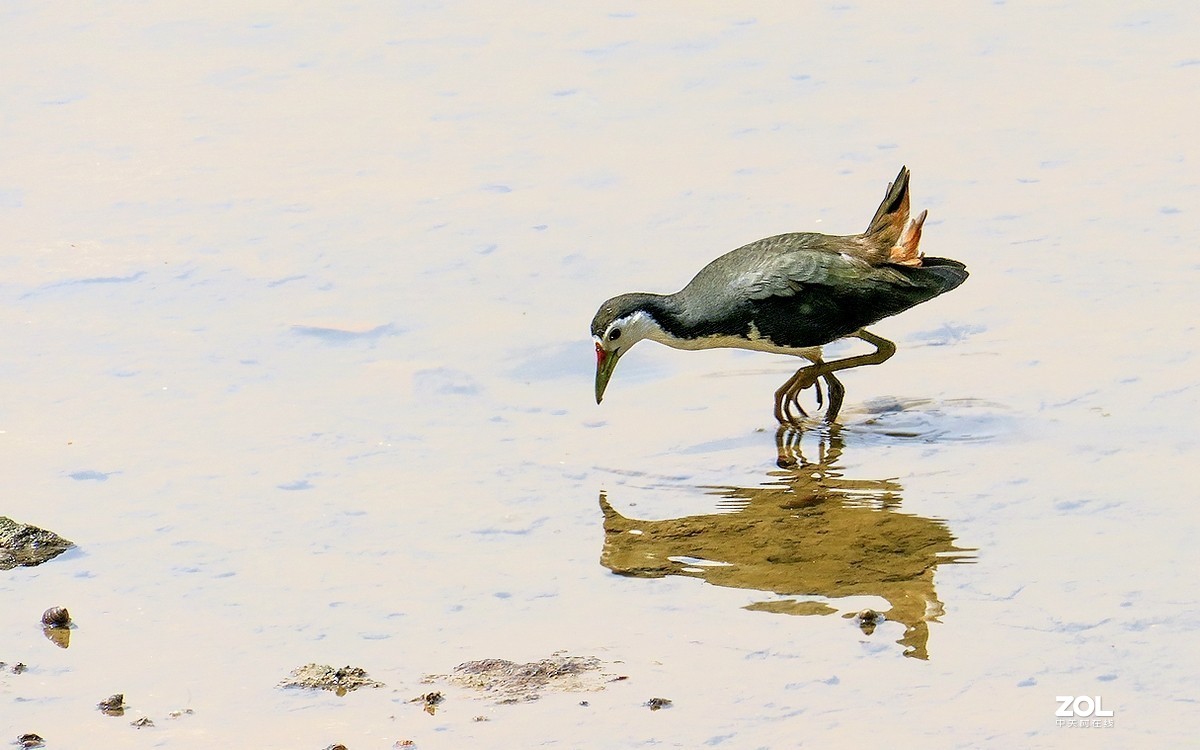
294	302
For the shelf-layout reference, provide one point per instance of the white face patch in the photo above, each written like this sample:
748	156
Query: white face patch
624	332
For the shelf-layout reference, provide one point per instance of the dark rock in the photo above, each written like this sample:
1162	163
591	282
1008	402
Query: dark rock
113	705
22	544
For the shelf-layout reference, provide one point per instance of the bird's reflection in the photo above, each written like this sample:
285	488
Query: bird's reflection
810	533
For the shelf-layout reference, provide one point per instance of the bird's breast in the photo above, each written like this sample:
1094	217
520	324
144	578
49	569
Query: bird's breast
753	340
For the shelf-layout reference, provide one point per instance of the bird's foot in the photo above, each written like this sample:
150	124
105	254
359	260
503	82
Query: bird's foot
788	410
783	410
807	378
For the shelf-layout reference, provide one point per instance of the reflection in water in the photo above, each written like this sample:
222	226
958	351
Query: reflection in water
810	533
60	637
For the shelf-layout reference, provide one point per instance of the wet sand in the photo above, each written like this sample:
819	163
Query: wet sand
295	305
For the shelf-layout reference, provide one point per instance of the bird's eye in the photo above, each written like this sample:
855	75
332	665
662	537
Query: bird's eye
614	334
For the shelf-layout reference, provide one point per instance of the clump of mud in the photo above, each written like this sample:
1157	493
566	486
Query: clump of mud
509	682
325	677
431	701
25	545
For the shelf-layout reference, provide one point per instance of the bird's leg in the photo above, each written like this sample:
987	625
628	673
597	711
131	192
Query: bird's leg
783	399
800	381
803	378
788	394
884	349
836	391
820	395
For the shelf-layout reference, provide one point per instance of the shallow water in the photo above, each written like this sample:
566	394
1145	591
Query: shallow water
295	302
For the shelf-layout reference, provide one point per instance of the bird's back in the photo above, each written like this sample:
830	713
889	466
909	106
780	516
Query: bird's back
804	289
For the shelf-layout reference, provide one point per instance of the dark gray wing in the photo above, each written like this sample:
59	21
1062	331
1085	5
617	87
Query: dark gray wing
784	265
802	290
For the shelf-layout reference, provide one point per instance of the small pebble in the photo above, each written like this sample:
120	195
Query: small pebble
31	740
142	722
656	703
869	617
867	620
113	705
431	701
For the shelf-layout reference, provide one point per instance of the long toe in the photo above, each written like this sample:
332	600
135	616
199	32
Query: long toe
787	409
837	392
781	406
796	386
785	395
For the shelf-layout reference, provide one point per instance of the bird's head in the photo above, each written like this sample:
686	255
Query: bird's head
620	323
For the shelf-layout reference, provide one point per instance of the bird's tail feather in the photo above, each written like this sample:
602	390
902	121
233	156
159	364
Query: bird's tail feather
906	252
949	273
891	217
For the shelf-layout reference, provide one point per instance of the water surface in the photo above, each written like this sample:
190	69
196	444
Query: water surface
295	305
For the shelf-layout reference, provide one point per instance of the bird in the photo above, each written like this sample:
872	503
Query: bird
790	294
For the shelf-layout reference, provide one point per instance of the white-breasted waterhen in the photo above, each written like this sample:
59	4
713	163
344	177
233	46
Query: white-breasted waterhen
789	294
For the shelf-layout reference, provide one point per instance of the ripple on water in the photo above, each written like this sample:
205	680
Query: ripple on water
954	420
